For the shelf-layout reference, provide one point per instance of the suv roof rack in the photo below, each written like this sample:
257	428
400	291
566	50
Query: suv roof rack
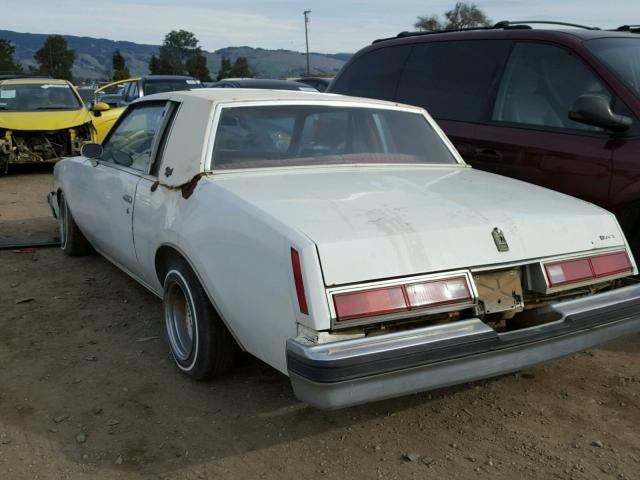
507	23
628	28
503	25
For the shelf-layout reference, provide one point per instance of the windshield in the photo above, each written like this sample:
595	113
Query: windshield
622	55
161	86
31	97
282	136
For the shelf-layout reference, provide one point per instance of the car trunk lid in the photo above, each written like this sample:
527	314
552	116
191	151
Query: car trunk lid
372	223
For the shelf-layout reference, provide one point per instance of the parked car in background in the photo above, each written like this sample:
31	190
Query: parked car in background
111	99
343	241
41	120
262	83
319	83
555	107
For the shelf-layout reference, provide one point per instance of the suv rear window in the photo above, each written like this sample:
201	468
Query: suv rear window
374	74
453	80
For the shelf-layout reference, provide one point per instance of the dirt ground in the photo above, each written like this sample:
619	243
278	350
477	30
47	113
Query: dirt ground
88	390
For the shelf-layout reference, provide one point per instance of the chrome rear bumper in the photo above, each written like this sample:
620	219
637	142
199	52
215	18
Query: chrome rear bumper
341	374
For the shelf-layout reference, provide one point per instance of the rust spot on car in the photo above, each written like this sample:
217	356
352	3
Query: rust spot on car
186	189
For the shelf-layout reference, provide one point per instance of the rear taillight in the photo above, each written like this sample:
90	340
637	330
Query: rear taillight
369	303
585	269
297	278
438	292
401	298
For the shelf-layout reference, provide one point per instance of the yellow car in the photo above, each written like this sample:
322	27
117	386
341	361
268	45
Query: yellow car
112	95
113	98
41	120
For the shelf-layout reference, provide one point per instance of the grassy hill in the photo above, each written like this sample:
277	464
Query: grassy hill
93	57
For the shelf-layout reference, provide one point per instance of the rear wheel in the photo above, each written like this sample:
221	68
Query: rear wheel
72	241
200	343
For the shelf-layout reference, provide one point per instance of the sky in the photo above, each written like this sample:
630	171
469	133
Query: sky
335	25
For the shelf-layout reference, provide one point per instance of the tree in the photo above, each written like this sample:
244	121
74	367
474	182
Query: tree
120	70
430	22
180	55
241	68
197	66
462	15
54	58
154	65
7	64
225	68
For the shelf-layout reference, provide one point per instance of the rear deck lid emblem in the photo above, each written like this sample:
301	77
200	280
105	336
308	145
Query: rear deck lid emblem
500	240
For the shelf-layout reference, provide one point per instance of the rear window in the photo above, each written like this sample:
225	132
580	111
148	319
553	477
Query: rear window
454	80
281	136
161	86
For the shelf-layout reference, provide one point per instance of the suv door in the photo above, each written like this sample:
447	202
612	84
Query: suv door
530	125
456	82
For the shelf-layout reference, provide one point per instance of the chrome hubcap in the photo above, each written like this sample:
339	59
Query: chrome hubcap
179	322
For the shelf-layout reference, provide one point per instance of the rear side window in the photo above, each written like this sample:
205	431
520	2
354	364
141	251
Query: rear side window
540	85
374	74
454	80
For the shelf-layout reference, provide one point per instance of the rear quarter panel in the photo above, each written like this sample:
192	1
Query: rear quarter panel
243	259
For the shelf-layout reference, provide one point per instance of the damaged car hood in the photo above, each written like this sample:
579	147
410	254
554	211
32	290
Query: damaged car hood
381	222
45	120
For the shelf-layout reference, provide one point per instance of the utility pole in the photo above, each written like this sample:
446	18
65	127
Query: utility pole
306	35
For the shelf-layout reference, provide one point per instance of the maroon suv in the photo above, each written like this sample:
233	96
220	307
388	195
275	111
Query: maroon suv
558	108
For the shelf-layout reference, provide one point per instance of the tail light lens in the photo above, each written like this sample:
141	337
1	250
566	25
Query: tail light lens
438	292
401	298
297	278
588	268
369	303
611	264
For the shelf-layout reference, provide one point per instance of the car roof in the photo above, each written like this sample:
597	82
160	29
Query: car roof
117	82
264	83
34	81
549	34
167	77
244	95
185	146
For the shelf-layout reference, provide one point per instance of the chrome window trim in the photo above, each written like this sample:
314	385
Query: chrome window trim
401	315
219	107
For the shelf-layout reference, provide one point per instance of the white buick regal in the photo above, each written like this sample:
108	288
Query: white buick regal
342	241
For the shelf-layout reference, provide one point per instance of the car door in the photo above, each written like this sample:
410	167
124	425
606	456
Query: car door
108	203
530	126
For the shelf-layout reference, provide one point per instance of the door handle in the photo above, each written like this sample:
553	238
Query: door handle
488	154
127	198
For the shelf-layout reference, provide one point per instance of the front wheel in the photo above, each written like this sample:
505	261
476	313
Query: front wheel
72	241
200	343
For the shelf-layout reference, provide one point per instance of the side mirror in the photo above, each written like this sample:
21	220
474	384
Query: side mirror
91	150
594	110
100	107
